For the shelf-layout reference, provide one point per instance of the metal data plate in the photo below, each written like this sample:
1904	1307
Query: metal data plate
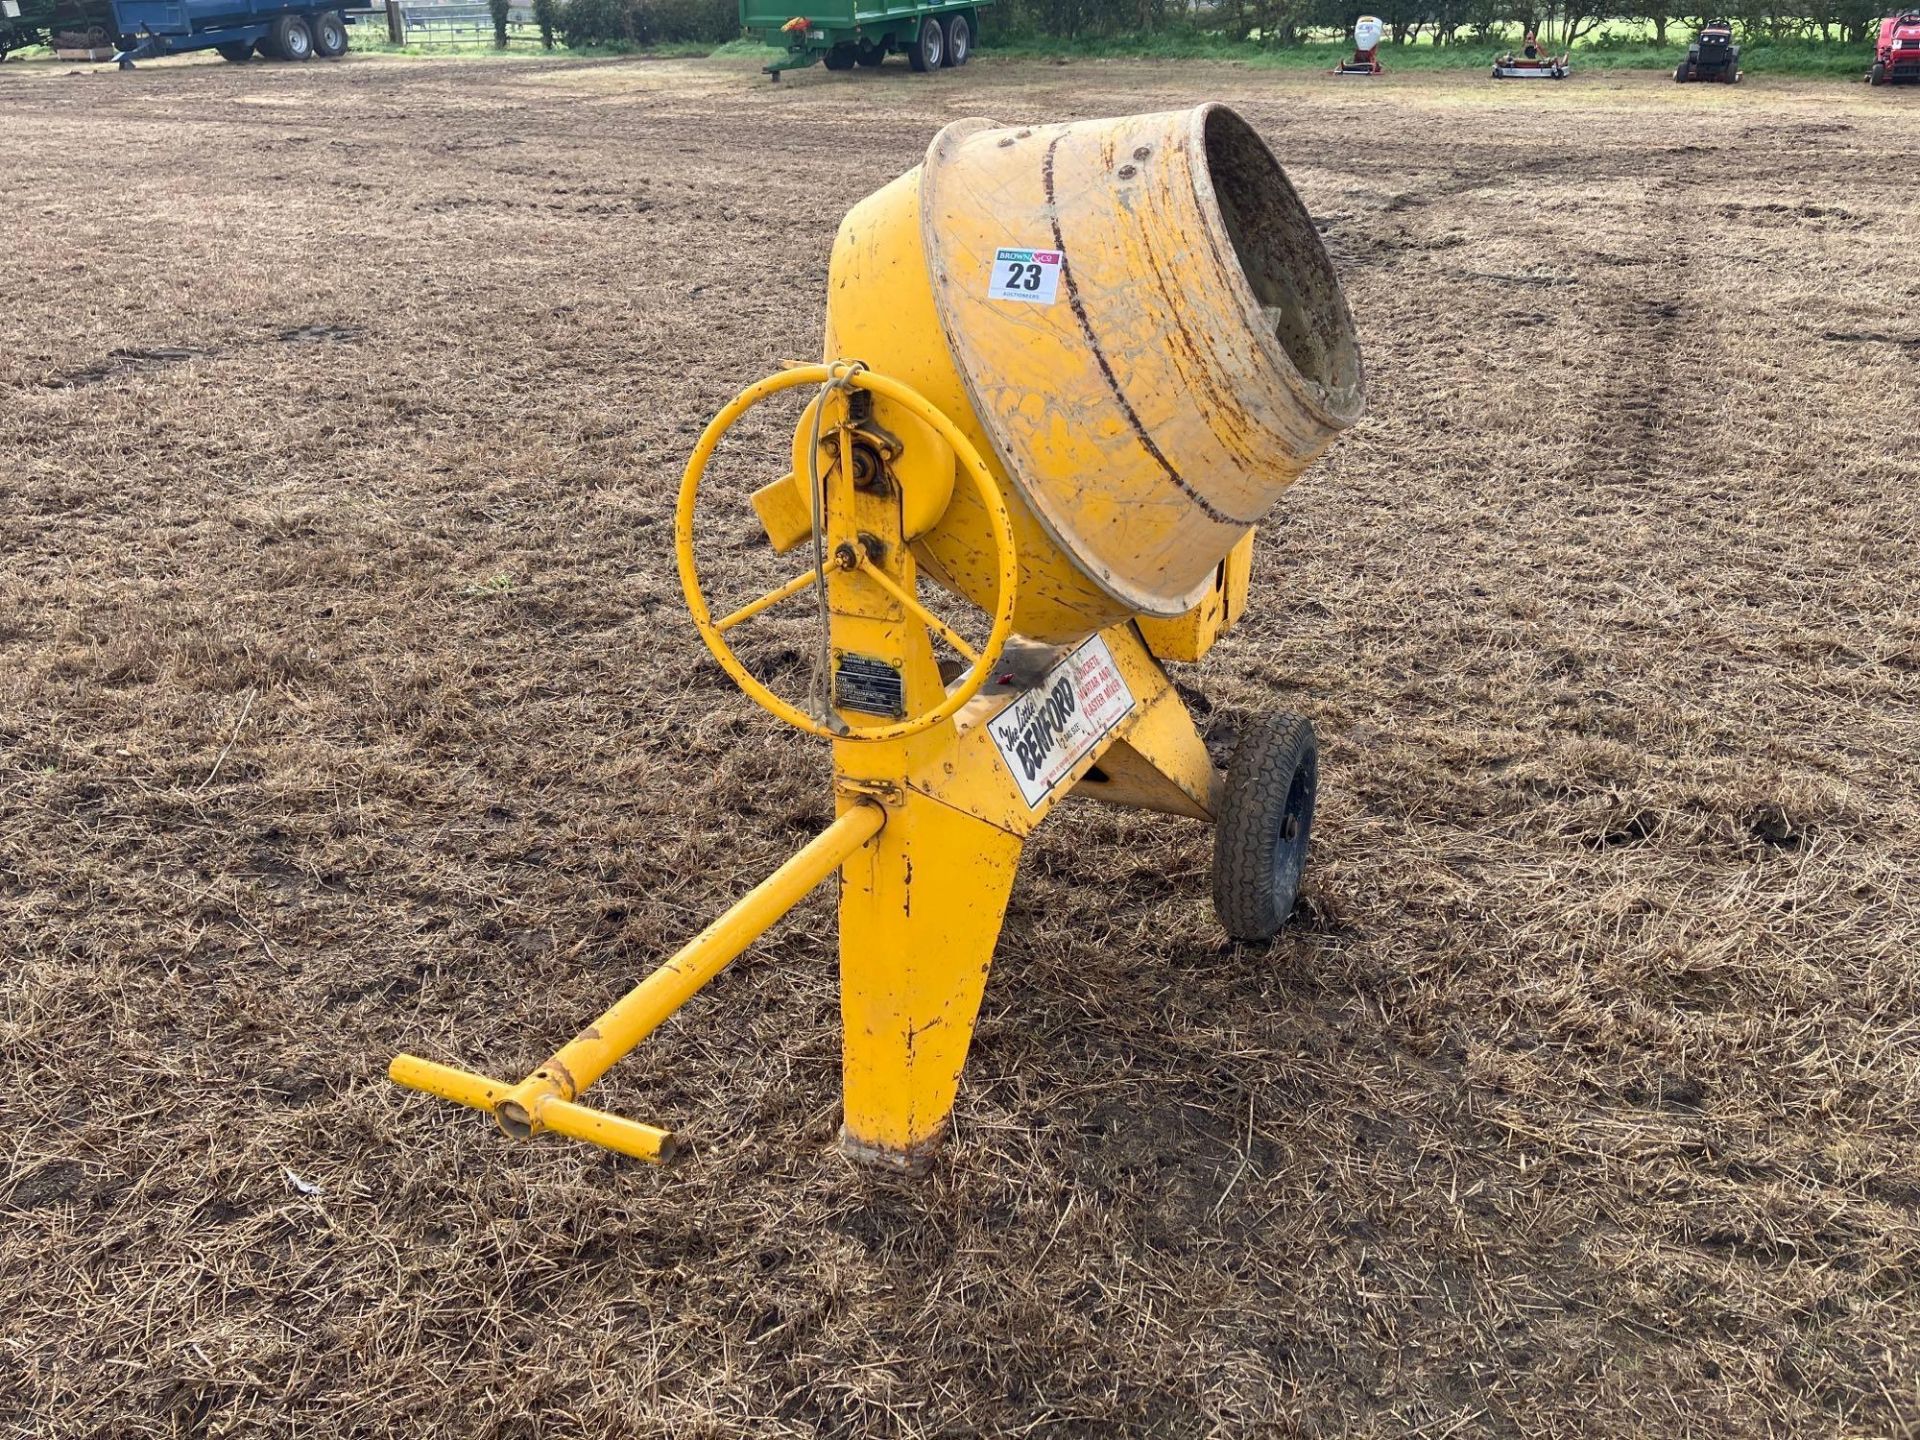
870	686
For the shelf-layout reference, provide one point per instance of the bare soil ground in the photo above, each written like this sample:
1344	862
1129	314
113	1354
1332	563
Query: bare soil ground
347	705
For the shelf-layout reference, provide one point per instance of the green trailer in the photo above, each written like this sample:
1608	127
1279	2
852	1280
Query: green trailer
24	23
843	33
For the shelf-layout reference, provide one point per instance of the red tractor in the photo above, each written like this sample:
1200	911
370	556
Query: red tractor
1896	59
1712	56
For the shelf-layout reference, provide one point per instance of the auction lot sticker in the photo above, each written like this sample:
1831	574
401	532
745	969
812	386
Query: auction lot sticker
1051	728
1029	275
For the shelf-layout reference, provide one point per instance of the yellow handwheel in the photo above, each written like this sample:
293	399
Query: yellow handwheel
970	464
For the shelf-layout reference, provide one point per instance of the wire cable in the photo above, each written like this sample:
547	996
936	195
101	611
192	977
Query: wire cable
820	691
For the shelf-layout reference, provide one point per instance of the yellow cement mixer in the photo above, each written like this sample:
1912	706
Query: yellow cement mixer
1069	368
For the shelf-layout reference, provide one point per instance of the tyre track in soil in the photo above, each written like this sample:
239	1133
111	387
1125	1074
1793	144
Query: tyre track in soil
647	151
1628	437
395	107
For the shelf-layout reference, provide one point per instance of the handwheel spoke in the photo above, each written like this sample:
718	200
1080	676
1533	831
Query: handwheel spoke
767	601
833	377
920	612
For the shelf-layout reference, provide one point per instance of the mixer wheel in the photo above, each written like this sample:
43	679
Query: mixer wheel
1265	821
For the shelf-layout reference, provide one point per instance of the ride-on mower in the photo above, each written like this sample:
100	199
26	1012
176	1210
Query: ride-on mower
1367	31
1896	58
1532	64
1711	56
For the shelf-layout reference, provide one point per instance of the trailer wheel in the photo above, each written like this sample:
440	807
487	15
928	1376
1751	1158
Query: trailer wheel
329	35
237	52
870	54
959	41
930	49
840	57
1265	822
292	40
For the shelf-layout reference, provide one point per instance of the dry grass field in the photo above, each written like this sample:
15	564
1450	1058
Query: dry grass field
347	705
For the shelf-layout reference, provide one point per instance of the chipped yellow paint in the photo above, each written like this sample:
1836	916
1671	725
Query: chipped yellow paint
1196	356
1189	636
880	309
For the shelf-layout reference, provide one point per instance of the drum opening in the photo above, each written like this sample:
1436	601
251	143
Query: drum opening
1285	264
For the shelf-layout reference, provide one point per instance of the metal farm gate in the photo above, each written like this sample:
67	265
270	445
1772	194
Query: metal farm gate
454	22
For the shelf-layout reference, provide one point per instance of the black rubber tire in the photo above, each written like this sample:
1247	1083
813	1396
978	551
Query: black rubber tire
1680	73
292	40
1877	75
871	56
263	47
329	35
959	42
840	57
236	53
1264	826
930	50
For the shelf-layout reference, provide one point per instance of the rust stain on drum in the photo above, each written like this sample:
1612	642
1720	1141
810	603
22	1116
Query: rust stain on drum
1223	408
1207	507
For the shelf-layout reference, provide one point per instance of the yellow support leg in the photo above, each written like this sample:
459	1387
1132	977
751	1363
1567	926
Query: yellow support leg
920	913
921	908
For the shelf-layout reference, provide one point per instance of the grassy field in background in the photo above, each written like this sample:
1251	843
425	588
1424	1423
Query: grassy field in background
1609	52
1612	51
1617	48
